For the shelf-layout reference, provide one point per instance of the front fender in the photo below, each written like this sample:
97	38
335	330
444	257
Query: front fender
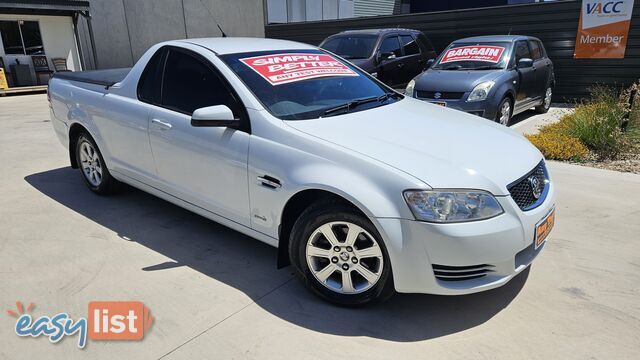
374	191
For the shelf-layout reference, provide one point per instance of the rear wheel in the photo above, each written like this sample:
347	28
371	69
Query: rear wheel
546	102
92	167
503	115
339	254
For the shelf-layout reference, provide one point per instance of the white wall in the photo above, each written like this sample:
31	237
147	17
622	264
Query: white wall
58	40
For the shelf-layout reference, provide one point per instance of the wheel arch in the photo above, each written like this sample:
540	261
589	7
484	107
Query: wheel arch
74	130
294	208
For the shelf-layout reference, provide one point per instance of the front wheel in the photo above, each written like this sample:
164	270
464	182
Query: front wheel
340	255
503	115
546	102
91	163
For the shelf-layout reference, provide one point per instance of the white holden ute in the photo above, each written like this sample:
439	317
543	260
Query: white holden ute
365	191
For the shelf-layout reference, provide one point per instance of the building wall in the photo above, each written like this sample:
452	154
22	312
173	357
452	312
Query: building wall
125	29
57	40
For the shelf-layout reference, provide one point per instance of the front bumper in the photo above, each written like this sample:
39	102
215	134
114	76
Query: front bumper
503	244
485	108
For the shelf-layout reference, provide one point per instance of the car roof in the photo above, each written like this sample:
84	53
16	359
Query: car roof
375	31
487	38
231	45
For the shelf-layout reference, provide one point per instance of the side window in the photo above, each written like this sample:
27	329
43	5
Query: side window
150	82
424	43
190	84
543	52
522	50
409	45
536	52
391	45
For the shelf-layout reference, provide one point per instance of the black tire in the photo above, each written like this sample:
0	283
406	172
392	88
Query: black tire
107	184
499	112
544	107
322	213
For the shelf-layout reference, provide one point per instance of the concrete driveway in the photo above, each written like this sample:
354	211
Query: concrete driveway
216	293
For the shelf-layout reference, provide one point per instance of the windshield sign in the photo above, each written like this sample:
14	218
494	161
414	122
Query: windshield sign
289	67
474	56
485	53
308	84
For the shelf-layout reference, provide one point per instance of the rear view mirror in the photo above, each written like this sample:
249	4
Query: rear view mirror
214	116
429	63
525	63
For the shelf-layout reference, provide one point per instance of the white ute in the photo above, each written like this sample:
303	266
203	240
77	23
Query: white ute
363	190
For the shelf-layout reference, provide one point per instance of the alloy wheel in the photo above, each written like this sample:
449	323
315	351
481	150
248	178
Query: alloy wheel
344	257
90	163
547	98
505	113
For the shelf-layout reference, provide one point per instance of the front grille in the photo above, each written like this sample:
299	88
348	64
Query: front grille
443	95
522	192
460	273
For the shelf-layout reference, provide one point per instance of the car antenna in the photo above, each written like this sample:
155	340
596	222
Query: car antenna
214	19
510	27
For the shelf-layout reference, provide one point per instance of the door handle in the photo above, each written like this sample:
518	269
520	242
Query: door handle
161	124
400	66
269	182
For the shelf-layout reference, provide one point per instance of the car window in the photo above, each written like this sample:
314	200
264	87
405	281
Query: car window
543	52
189	84
409	45
536	52
351	47
391	45
522	50
151	79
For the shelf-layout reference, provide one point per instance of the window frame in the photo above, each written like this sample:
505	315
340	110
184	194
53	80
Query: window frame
22	43
242	115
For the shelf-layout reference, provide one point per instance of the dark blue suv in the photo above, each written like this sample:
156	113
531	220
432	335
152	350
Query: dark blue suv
494	77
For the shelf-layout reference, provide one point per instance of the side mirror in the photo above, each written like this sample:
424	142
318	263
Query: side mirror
385	56
429	63
525	63
214	116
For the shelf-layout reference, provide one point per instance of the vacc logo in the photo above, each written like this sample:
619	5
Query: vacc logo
612	7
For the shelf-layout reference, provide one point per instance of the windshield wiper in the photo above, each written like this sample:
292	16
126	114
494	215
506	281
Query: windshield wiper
486	68
348	106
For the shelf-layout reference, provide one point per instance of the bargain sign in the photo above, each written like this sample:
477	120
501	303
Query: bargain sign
603	29
473	53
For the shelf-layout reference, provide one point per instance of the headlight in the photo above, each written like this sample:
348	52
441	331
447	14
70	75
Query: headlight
481	91
410	86
445	206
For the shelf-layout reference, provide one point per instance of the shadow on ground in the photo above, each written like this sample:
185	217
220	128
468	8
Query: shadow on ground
250	266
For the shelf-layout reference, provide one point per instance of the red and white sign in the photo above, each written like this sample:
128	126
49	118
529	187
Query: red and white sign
473	53
290	67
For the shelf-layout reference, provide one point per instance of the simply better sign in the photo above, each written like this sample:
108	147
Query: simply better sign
290	67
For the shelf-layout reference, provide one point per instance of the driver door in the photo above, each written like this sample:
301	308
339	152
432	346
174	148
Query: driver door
390	69
205	166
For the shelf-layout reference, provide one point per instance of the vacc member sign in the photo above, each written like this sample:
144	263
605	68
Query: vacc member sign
603	29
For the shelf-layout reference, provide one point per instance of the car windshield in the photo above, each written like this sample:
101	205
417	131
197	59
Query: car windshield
307	84
474	56
351	47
